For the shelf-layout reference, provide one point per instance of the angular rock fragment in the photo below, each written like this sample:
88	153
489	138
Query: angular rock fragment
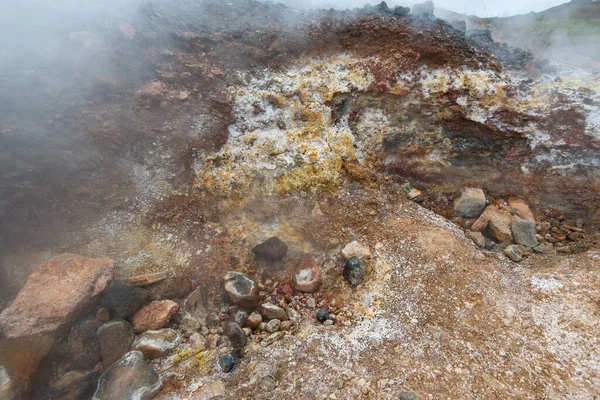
270	311
129	378
54	293
273	325
520	208
293	315
153	344
307	277
154	316
241	290
469	203
237	337
500	227
513	253
115	339
123	300
477	238
253	320
353	271
355	249
401	11
523	232
272	249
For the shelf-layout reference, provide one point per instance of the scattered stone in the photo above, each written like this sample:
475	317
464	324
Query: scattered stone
293	315
287	325
154	316
128	378
227	362
272	338
241	290
543	227
477	238
9	387
54	293
544	248
237	336
353	271
523	232
520	208
408	396
470	202
213	341
322	314
500	227
513	253
273	325
115	339
240	317
123	300
197	341
308	277
272	249
262	327
355	249
311	302
268	384
254	320
328	322
270	311
153	344
103	314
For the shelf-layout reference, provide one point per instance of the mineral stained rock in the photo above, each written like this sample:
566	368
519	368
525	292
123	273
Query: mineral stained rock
469	203
241	289
154	316
353	271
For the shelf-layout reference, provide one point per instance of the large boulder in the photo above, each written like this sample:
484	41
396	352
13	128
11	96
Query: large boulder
524	232
54	293
469	203
129	378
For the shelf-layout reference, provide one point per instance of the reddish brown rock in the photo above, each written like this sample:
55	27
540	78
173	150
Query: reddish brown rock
54	293
520	208
307	277
154	316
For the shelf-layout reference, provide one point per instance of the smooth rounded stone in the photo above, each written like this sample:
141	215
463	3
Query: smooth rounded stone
273	325
253	320
129	378
323	314
307	277
262	327
523	232
9	387
227	362
287	325
153	344
272	249
500	227
268	384
55	293
237	336
154	316
513	253
115	339
271	311
408	396
241	290
293	315
353	271
477	238
355	249
124	300
470	202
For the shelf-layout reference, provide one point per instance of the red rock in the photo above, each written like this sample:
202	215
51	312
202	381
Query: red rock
286	289
54	293
307	277
154	316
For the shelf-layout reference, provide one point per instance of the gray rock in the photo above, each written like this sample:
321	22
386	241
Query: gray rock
513	253
273	326
270	311
227	362
353	271
383	8
287	325
293	315
543	248
253	320
129	378
153	344
237	336
124	300
477	238
240	317
328	322
408	396
115	339
82	348
523	232
268	384
241	290
401	11
9	388
426	8
470	202
272	249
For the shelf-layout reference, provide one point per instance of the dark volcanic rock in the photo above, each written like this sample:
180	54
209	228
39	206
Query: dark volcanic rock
124	300
237	337
323	314
272	249
383	8
82	348
227	362
128	378
353	271
115	339
401	11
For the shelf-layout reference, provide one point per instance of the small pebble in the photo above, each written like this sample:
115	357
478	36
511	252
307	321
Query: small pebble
227	362
322	314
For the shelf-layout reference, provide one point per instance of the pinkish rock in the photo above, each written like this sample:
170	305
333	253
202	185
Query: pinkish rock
355	249
56	292
253	320
307	277
270	311
154	316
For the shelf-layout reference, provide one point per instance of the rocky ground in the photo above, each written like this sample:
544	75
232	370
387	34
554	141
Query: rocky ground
241	200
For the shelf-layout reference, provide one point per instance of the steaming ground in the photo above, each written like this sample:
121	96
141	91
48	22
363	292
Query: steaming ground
228	126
